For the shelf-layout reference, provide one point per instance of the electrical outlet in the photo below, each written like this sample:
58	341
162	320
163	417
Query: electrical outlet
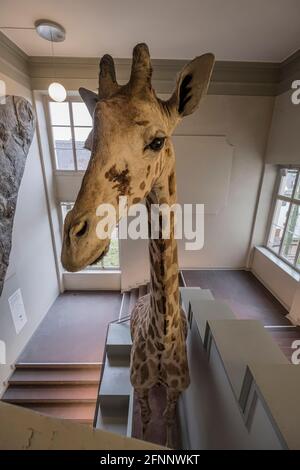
17	310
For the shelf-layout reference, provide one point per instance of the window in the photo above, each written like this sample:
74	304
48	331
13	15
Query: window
284	233
71	124
111	259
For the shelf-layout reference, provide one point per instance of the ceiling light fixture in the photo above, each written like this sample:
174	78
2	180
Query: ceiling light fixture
53	32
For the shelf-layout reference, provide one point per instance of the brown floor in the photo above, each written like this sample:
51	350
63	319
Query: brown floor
74	329
156	431
247	297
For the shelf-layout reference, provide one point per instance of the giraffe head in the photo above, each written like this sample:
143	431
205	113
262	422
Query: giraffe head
130	145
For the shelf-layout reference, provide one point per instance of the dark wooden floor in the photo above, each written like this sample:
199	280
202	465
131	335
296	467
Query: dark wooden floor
74	329
247	297
156	431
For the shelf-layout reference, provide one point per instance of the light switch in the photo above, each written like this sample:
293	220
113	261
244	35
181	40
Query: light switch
17	310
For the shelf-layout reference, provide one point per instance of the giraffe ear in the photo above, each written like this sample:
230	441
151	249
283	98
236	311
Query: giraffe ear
90	99
89	141
192	84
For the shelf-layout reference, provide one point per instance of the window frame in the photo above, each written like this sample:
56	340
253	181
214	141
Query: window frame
292	201
70	99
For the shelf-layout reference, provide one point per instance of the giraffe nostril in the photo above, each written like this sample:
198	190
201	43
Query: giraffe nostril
80	229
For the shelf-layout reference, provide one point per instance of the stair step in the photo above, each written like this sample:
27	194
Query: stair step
125	306
79	412
291	335
134	293
287	342
115	389
55	376
116	424
118	342
286	350
181	279
115	380
142	290
129	430
51	394
58	365
193	293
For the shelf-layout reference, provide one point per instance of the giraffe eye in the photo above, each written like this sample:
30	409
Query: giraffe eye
157	143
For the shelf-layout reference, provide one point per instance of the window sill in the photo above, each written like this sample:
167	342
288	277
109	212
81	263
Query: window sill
69	172
95	271
93	280
279	262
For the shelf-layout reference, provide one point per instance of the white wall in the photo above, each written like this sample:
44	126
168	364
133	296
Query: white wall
284	139
49	180
32	266
283	148
294	314
221	149
276	276
245	122
263	209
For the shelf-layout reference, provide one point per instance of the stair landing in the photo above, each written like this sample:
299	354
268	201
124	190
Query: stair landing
66	391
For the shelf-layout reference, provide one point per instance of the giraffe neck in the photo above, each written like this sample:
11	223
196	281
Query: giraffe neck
164	285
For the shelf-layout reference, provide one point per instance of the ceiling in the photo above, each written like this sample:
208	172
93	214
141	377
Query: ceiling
250	30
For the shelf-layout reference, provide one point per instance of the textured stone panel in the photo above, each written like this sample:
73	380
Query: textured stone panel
17	124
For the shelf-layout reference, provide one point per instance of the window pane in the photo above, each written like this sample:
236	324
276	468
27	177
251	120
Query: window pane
278	224
59	113
292	235
62	137
64	159
81	134
287	183
81	116
65	208
82	154
297	192
63	148
111	259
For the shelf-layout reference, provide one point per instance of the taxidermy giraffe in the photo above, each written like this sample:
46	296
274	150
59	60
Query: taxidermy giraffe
132	155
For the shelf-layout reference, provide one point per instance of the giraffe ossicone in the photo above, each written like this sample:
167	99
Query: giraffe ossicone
132	155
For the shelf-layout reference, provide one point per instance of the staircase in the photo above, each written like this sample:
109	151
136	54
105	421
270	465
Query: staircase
115	393
72	392
129	300
114	408
130	297
115	399
67	391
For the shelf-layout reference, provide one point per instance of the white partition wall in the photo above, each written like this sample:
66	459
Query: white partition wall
235	399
